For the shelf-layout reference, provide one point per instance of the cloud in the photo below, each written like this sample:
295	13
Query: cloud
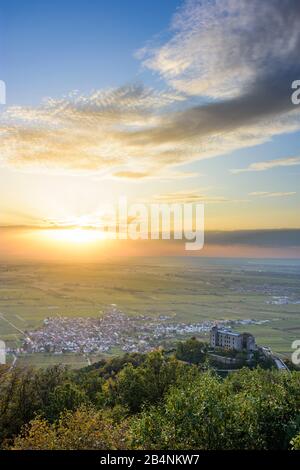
186	197
219	48
80	132
193	196
272	194
277	238
136	175
242	54
267	165
228	68
264	238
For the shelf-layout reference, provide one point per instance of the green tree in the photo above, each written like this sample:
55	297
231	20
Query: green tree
23	393
248	410
67	396
192	351
83	429
147	383
295	442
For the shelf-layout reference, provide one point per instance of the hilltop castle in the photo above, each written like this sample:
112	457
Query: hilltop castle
228	339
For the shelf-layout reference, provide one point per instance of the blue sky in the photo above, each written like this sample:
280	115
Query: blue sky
174	100
58	46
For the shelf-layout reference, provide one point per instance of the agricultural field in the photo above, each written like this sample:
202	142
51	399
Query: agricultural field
188	289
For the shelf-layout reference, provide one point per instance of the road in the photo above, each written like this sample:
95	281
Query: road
278	362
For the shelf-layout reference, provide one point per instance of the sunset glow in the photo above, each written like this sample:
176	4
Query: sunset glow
76	236
151	117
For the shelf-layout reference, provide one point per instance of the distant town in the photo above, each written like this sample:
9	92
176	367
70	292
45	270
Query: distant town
89	335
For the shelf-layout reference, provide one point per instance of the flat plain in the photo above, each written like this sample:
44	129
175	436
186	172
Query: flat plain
189	289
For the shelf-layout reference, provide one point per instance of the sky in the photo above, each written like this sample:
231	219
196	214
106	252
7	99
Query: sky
177	101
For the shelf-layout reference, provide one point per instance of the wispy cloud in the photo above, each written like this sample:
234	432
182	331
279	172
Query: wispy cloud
272	194
236	59
190	196
219	48
267	165
167	175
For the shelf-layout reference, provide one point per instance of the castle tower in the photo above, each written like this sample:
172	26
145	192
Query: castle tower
214	336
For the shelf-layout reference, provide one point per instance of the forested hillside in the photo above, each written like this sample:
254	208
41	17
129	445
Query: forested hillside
150	401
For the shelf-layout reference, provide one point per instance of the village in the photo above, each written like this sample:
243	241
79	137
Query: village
60	334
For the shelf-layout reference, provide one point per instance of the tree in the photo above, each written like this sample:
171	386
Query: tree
83	429
24	392
145	384
67	396
248	410
296	442
192	351
154	403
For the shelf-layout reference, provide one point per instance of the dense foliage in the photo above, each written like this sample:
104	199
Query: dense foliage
150	401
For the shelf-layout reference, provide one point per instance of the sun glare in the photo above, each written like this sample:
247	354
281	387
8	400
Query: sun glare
75	235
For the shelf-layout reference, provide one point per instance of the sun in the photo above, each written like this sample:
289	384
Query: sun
76	236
